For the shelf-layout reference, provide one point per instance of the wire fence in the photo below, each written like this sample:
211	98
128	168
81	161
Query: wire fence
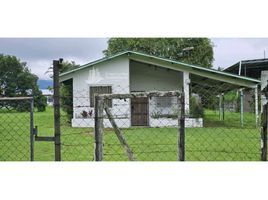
77	127
220	122
15	129
138	126
207	123
229	124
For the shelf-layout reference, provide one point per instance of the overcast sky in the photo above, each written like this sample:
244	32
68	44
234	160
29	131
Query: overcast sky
39	53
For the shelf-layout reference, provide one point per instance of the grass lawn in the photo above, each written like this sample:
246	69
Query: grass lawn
218	140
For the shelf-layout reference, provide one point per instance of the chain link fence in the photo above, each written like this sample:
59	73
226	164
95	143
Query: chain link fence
229	124
219	123
77	127
15	128
212	123
137	126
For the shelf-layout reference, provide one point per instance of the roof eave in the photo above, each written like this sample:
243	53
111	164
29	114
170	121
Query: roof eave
234	79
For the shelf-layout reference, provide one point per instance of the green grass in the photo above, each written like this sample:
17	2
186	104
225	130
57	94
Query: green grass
218	140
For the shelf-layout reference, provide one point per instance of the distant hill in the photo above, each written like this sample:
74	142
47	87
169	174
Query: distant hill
43	84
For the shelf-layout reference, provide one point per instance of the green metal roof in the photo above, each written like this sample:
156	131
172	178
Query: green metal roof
175	65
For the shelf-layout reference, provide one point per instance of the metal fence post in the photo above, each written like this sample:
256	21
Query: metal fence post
181	119
56	99
264	134
32	129
98	130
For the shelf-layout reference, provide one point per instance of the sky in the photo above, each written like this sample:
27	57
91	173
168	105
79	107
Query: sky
39	52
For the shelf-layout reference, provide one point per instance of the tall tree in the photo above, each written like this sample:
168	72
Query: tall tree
198	51
67	89
17	80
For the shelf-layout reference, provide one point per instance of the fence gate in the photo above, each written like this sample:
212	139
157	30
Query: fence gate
16	128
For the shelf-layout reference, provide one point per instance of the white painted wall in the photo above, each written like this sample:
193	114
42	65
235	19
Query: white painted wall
114	73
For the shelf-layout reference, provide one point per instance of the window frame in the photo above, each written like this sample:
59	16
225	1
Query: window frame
92	94
163	102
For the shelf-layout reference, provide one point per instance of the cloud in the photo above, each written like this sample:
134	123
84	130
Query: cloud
228	51
39	52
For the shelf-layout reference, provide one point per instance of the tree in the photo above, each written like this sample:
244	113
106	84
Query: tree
198	51
66	89
17	80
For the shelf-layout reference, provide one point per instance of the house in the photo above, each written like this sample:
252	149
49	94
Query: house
135	72
49	96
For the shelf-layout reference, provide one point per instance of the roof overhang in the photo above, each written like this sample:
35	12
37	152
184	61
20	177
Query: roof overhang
196	70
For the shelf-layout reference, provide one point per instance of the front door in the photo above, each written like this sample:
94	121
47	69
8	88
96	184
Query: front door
139	111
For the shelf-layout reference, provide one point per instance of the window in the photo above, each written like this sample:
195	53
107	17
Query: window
100	90
163	101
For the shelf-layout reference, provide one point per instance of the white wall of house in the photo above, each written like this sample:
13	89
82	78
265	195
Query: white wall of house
114	73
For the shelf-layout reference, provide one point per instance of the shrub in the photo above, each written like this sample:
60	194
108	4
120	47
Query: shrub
196	108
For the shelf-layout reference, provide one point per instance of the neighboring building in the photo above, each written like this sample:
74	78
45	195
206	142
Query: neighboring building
132	72
49	96
251	69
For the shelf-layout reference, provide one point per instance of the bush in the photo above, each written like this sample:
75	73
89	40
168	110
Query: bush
40	101
196	108
67	99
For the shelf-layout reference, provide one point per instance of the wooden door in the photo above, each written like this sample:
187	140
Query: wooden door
139	111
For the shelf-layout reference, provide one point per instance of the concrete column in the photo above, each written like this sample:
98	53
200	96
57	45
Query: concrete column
241	107
256	107
186	83
220	107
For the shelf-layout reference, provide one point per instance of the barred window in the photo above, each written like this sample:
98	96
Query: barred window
163	101
100	90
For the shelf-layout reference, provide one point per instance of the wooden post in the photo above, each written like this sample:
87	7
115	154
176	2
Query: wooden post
119	135
181	122
56	100
98	128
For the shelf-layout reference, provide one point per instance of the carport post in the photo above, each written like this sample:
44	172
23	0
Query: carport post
221	106
241	108
256	106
